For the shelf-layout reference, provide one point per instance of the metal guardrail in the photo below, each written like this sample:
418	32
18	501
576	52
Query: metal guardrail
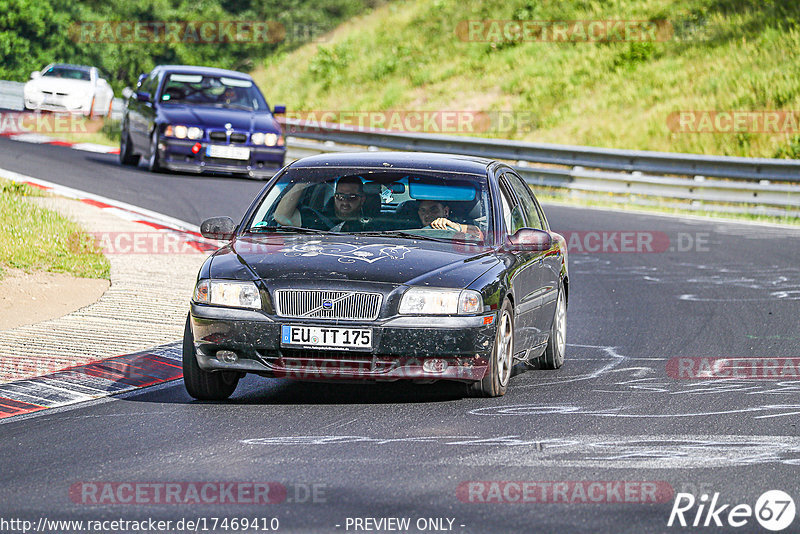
745	182
11	95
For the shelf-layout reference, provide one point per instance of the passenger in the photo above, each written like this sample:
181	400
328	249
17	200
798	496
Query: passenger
435	214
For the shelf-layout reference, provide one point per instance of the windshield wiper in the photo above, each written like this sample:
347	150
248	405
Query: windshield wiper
298	229
401	233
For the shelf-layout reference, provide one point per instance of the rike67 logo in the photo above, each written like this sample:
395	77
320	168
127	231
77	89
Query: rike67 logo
774	510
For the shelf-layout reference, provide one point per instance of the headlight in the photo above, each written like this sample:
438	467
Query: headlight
261	138
228	293
183	132
434	301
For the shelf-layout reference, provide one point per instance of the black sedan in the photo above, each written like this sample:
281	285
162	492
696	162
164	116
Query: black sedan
201	119
381	266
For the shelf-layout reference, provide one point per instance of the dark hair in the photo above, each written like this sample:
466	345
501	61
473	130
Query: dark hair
351	179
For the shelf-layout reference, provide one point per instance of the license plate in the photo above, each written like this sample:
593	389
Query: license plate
228	152
320	337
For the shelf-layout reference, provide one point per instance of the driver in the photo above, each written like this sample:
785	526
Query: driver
348	204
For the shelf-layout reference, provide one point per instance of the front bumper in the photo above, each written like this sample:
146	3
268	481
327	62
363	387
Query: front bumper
459	347
177	155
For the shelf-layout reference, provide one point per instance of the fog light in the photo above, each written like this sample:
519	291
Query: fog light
434	365
196	148
227	356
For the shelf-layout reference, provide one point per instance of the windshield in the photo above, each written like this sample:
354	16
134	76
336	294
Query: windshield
69	73
441	206
215	91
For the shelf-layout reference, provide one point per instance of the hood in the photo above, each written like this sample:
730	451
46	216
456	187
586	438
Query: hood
59	85
217	118
282	259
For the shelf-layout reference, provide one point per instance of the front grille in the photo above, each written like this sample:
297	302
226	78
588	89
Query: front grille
325	304
218	136
238	137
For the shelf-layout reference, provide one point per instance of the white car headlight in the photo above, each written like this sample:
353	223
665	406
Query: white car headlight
228	293
436	301
257	138
194	132
270	139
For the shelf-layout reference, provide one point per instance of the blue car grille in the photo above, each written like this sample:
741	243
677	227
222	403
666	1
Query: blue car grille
326	304
222	136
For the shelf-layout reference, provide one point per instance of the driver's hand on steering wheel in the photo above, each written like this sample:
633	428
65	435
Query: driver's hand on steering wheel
444	224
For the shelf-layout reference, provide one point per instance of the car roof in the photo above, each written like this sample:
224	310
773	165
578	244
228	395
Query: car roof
401	160
194	69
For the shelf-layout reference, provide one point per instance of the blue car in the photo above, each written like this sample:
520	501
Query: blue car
201	119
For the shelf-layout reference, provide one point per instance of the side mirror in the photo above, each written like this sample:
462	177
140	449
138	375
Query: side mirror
220	228
142	96
142	77
127	92
35	75
279	110
529	239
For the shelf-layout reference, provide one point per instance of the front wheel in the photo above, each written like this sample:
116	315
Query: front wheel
126	155
495	383
153	163
200	384
553	356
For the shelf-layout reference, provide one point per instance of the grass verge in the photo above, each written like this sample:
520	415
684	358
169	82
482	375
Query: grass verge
42	240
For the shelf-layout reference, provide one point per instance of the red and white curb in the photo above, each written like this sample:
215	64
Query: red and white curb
186	232
90	381
40	139
113	375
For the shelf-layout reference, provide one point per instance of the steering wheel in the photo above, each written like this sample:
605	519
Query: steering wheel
325	220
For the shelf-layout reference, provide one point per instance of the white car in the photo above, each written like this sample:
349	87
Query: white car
70	88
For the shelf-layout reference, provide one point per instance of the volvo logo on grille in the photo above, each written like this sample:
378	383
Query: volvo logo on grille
327	305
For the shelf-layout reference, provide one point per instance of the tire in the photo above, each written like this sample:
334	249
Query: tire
204	385
153	164
495	383
126	155
553	356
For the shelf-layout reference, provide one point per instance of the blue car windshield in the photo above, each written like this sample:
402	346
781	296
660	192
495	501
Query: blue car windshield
428	204
213	91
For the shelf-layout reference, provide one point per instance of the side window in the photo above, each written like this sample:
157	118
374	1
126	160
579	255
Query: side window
526	199
512	213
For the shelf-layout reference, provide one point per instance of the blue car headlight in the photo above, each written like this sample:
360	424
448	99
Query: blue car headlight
180	131
268	139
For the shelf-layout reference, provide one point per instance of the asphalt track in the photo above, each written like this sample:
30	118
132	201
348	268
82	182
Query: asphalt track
612	413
